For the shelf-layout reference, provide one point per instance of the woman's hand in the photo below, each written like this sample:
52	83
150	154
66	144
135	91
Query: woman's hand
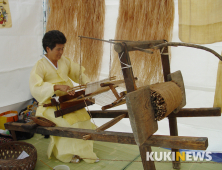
64	88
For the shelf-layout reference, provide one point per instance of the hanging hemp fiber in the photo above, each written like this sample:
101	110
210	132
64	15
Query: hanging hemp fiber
76	18
144	20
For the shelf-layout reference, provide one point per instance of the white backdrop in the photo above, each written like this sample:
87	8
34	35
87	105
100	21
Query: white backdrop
20	48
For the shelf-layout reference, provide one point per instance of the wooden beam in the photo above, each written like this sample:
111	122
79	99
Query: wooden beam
180	142
197	112
134	45
173	121
127	70
130	87
108	113
110	123
184	112
147	165
174	132
70	109
115	103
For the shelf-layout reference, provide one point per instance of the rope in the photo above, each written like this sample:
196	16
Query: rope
46	164
131	162
90	113
110	60
127	66
80	64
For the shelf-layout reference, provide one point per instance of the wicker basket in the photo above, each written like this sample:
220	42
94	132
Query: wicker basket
9	153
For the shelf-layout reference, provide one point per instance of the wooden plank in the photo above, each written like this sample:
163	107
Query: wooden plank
70	109
195	143
141	112
73	103
70	97
110	123
66	98
178	79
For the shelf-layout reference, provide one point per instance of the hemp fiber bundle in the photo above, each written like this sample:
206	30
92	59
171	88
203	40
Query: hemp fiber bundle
80	17
165	98
144	20
200	21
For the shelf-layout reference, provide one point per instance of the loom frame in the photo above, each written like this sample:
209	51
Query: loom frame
173	141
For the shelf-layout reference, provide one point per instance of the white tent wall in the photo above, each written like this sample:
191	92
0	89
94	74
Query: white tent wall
20	48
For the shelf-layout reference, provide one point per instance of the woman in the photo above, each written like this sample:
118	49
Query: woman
51	75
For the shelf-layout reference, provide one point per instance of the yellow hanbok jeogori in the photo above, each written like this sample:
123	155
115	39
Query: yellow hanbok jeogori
44	76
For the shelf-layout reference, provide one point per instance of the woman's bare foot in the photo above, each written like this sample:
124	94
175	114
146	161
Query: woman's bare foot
75	159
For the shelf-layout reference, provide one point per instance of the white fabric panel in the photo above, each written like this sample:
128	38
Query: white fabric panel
15	87
20	48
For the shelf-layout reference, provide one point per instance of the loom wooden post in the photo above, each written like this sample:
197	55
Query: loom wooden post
131	86
172	120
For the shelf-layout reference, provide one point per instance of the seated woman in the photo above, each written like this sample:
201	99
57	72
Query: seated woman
51	75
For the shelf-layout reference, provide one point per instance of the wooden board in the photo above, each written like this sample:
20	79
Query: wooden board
141	114
178	79
182	142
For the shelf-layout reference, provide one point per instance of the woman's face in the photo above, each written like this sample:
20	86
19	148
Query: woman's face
56	53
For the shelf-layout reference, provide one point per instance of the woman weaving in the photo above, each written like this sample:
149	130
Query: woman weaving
51	75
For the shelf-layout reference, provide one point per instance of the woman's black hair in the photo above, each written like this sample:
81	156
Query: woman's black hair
51	38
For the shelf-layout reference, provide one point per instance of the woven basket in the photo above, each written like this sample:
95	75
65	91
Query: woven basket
9	152
43	122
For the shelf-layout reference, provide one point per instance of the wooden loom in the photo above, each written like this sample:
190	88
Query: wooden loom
142	121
